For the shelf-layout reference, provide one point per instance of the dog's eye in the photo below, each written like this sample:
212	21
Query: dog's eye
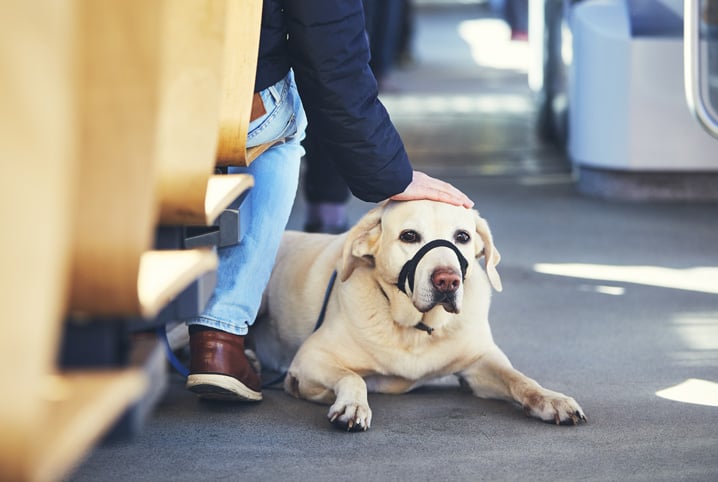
410	236
462	237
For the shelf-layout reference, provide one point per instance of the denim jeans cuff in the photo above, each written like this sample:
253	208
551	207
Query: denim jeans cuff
233	328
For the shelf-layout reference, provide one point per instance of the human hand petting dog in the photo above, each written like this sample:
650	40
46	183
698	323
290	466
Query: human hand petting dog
424	186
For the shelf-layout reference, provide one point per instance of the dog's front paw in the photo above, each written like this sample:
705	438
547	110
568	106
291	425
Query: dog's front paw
350	415
554	407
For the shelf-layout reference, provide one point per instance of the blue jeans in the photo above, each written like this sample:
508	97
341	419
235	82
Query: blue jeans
244	269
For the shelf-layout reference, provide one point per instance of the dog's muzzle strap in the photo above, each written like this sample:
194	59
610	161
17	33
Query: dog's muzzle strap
408	271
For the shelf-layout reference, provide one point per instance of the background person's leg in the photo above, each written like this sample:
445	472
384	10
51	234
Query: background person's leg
325	191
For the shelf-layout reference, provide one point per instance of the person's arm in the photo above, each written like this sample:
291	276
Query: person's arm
330	57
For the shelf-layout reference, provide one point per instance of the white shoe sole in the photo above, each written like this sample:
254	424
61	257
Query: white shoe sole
212	386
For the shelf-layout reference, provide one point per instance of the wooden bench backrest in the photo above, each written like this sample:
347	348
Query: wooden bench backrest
37	169
239	69
116	211
190	86
81	91
209	56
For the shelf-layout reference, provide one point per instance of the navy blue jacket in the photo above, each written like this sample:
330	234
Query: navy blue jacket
324	41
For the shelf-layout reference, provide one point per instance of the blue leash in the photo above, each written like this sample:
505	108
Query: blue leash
174	361
184	371
327	294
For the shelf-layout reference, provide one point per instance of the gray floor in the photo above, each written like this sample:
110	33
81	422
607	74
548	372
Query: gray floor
576	314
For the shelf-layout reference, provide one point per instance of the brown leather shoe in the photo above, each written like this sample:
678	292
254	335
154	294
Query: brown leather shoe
219	369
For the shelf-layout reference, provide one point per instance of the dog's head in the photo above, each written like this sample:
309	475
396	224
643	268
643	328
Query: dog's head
426	248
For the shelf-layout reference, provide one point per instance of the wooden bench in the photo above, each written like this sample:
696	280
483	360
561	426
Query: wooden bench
114	272
94	155
191	75
207	73
48	419
239	68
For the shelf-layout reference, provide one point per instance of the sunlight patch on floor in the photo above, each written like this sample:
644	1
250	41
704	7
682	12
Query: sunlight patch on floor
699	331
702	279
490	42
453	104
694	391
603	289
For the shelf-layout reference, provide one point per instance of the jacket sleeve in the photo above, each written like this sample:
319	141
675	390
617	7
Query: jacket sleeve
329	53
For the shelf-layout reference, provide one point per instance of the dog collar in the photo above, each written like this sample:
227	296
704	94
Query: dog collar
424	327
408	271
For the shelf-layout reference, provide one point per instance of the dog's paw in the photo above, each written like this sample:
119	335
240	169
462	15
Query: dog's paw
350	415
554	407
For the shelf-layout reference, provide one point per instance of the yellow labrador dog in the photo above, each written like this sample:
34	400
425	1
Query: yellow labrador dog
410	304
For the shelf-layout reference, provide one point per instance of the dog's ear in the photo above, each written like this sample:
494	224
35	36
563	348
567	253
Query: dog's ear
489	251
360	242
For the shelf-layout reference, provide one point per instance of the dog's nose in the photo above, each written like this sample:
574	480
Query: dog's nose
445	280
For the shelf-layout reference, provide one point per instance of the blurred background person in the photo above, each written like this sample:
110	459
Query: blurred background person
325	191
384	19
516	14
405	49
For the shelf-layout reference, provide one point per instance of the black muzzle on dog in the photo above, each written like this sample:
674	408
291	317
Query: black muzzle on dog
408	271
